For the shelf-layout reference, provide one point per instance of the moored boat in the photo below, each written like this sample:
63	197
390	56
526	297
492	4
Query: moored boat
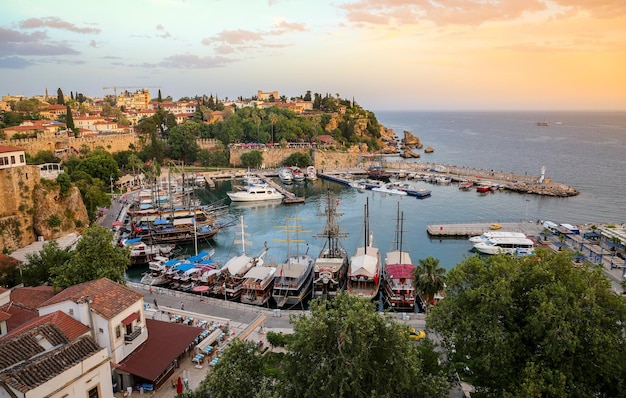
506	245
397	278
255	193
285	175
311	173
257	285
331	265
364	269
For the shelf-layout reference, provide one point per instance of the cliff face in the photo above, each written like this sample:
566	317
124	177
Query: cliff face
31	207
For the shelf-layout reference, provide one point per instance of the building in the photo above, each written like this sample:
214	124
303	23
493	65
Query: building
267	95
11	157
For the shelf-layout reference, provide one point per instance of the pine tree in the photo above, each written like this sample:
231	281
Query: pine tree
69	120
60	99
159	98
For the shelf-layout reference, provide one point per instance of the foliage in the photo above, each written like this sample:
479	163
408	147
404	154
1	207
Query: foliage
534	326
182	143
42	157
60	97
101	166
53	221
345	348
251	159
277	339
65	184
37	271
240	372
69	119
298	159
12	119
93	192
95	257
429	279
9	271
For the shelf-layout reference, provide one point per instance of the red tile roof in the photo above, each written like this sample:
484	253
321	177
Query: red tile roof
166	341
32	297
18	315
5	148
66	324
108	298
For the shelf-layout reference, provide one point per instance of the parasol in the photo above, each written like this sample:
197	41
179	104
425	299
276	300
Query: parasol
179	386
117	223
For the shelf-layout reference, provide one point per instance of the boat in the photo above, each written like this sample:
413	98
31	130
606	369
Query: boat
184	230
142	253
543	123
285	175
298	175
311	173
364	268
257	284
495	234
412	191
358	185
294	278
230	279
397	277
389	189
466	185
506	245
483	189
378	173
331	265
255	193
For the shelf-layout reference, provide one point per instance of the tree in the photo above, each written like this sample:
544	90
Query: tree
345	348
60	97
37	271
102	167
429	279
299	159
182	143
251	159
534	326
65	184
95	257
69	119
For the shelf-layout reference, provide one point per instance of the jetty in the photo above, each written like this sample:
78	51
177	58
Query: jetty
529	228
289	197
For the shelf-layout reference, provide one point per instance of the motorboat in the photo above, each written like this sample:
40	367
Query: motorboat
331	265
311	173
285	175
298	175
507	245
495	234
255	193
364	269
389	189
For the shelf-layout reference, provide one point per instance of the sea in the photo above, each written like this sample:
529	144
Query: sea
586	150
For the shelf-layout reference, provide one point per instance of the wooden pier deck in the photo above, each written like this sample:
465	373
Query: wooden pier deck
290	197
472	229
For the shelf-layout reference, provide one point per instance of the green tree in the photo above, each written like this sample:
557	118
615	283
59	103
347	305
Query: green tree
95	257
102	167
298	159
69	119
37	271
182	143
345	348
251	159
534	326
429	279
60	97
65	184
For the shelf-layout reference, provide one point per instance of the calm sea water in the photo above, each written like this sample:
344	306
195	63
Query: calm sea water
584	150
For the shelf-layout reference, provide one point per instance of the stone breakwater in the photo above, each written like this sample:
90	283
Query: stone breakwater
522	183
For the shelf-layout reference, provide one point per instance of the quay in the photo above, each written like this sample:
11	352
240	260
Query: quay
289	197
529	228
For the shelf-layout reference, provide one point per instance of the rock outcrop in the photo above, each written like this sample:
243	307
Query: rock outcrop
409	154
429	149
411	140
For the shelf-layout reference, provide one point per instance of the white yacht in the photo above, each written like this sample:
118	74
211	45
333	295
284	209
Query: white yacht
504	245
495	234
286	175
253	193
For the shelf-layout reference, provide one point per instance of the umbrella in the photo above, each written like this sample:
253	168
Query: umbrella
201	289
179	386
117	223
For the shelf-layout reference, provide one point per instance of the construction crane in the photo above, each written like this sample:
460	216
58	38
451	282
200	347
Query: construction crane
114	88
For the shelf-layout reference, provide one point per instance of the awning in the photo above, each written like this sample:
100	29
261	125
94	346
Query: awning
129	319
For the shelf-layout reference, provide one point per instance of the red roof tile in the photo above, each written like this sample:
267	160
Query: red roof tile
5	148
108	298
166	341
32	297
68	325
19	315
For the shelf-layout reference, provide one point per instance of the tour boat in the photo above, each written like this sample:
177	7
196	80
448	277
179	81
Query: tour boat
504	245
495	234
364	269
257	285
331	266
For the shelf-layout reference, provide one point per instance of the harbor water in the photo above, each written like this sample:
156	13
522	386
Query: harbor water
586	150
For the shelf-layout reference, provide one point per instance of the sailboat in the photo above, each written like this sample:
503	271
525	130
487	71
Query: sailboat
230	281
398	289
364	270
294	278
331	266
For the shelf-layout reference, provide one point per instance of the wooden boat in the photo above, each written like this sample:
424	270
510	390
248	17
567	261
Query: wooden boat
331	266
364	270
257	285
397	278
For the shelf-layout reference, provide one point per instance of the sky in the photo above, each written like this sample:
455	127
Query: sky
385	54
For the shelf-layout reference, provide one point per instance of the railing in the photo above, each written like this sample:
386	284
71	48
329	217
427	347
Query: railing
136	333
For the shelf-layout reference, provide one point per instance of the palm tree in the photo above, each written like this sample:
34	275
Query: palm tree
429	279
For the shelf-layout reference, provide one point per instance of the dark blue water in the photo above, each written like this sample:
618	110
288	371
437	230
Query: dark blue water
586	150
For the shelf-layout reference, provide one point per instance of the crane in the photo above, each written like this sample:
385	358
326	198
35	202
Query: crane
114	88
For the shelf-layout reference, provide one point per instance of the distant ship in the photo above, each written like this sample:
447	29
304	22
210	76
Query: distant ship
543	123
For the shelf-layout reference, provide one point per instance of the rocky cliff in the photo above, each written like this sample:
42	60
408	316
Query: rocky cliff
31	207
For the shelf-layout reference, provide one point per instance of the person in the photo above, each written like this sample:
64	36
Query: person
182	305
150	290
155	304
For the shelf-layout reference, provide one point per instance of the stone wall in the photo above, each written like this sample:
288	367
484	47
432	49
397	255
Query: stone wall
274	157
110	142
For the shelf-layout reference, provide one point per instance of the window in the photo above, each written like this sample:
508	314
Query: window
21	158
12	159
118	332
93	393
71	312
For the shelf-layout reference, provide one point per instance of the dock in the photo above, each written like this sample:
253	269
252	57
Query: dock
289	197
529	228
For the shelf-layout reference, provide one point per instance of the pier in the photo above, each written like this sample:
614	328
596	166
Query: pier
472	229
289	197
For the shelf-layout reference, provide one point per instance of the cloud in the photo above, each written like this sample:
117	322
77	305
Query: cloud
14	63
190	61
55	23
238	36
17	43
165	33
93	44
442	12
596	8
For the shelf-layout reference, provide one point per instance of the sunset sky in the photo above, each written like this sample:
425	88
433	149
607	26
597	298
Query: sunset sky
386	54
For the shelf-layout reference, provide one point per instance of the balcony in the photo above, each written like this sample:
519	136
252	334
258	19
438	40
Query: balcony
136	333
